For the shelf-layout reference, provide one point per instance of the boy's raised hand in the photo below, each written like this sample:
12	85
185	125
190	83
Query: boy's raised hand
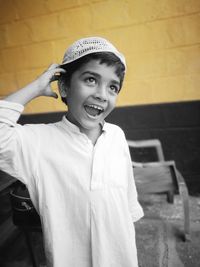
39	87
46	78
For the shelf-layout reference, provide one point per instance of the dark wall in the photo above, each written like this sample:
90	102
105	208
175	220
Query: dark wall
176	125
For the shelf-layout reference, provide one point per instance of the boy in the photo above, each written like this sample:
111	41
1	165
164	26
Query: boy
78	171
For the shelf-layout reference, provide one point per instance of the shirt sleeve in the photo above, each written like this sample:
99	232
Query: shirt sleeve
18	144
10	112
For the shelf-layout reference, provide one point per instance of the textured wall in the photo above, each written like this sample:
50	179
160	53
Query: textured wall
160	39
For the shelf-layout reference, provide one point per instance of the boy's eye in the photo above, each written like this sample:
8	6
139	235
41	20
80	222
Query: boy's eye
91	80
114	88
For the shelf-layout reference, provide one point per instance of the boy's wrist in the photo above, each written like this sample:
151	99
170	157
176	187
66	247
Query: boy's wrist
36	88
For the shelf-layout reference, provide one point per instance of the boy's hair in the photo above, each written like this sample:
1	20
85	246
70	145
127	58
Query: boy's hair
107	58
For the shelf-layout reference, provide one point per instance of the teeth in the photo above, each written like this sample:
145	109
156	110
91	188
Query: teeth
96	107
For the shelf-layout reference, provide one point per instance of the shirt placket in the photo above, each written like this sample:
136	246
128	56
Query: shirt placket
97	166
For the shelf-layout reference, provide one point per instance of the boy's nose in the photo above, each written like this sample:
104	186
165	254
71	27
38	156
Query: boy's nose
101	93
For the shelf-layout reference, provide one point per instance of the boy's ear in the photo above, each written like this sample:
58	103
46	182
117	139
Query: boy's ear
63	88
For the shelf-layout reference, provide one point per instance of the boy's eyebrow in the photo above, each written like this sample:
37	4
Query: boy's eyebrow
90	72
97	75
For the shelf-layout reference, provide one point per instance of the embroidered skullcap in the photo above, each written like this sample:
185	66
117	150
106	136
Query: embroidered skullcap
90	45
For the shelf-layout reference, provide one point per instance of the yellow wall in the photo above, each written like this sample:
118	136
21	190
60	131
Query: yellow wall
160	39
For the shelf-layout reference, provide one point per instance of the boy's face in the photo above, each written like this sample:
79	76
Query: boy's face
92	95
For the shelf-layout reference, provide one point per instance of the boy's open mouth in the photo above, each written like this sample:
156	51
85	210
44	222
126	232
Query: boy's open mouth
93	110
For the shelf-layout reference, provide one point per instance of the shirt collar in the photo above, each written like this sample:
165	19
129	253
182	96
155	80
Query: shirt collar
74	128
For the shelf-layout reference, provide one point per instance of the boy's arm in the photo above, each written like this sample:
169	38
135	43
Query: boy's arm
17	141
19	145
39	87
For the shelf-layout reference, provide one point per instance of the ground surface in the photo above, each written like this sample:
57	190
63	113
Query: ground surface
159	233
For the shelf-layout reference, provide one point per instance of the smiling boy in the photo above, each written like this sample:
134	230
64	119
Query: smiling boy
78	171
91	94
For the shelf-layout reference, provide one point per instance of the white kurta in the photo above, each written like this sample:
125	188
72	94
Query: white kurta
85	194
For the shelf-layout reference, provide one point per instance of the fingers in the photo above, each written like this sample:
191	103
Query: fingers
54	78
50	75
54	71
55	74
56	68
